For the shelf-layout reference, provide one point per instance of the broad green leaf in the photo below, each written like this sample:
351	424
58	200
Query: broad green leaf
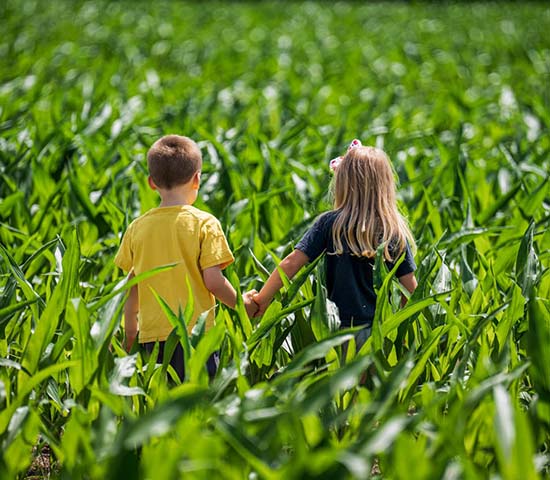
179	322
527	263
299	280
513	314
270	318
7	312
161	420
383	310
319	316
27	388
84	348
209	343
124	370
385	436
244	447
24	427
49	320
538	346
121	287
317	350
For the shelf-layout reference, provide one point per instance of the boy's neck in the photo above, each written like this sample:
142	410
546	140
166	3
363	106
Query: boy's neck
177	196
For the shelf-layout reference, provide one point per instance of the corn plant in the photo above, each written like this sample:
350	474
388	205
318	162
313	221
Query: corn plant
456	384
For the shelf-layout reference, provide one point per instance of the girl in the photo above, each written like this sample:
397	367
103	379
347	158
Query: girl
365	215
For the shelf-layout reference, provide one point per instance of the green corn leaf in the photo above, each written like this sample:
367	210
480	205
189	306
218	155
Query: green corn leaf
49	320
27	387
318	317
189	310
535	198
199	328
26	287
179	324
124	370
262	355
409	310
323	391
515	451
512	315
24	426
383	310
501	203
318	350
241	315
160	420
84	348
301	333
299	280
209	343
271	317
476	395
244	447
527	262
538	346
169	349
385	435
424	355
390	391
121	287
504	423
6	313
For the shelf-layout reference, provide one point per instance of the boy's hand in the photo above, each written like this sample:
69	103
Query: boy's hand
249	304
262	306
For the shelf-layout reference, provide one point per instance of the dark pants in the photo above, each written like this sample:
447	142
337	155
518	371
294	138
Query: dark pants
361	336
177	359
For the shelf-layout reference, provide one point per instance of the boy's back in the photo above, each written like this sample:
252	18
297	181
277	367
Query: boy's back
182	235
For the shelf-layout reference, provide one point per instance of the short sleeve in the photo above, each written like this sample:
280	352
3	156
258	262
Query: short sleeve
124	258
214	247
315	240
407	265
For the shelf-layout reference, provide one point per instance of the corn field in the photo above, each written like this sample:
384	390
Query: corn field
455	385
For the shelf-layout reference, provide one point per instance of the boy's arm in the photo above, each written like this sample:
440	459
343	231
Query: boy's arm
220	287
131	309
290	265
409	282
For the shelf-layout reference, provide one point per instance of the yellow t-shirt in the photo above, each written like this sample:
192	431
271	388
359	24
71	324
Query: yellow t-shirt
180	234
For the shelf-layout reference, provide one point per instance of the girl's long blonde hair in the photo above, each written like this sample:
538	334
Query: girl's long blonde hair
364	195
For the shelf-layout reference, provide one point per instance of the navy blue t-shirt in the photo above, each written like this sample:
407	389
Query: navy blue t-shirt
349	278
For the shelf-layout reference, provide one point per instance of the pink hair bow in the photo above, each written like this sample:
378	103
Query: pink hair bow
336	161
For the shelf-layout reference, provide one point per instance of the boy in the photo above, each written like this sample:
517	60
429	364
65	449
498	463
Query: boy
175	232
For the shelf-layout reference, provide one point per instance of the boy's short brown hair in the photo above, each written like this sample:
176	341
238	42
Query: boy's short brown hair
173	160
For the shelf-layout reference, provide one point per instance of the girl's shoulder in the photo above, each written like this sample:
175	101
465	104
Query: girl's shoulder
325	221
327	217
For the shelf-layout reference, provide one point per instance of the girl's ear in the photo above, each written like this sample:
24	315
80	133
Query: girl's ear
152	184
196	180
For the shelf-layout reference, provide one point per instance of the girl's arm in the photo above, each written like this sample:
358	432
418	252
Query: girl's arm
409	282
131	309
219	286
290	265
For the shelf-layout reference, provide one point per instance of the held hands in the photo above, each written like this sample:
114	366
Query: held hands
255	305
262	305
250	305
